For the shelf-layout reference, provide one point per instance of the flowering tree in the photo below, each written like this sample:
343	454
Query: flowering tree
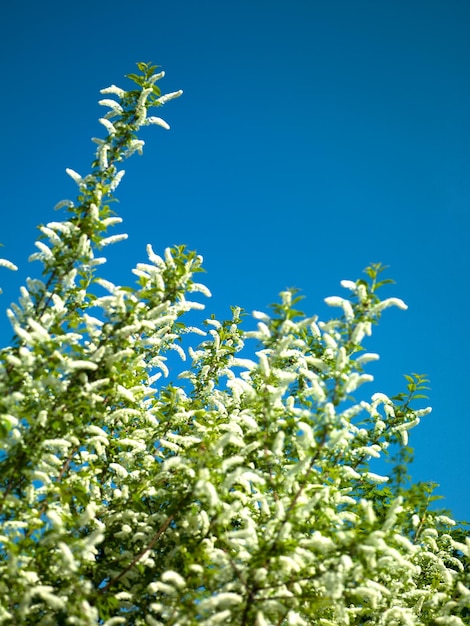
239	492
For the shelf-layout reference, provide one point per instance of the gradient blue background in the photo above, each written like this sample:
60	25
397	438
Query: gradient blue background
313	138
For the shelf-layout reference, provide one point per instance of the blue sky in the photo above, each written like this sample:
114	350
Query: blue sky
313	138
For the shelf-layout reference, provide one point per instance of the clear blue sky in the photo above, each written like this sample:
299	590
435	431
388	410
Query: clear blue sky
313	138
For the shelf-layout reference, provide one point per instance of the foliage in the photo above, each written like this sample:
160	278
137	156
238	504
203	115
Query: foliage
240	492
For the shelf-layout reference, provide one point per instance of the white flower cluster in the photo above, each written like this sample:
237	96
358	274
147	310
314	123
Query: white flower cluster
239	491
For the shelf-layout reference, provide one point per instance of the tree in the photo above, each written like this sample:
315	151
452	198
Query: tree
240	492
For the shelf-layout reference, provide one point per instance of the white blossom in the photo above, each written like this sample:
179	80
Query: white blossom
68	557
367	357
259	315
103	156
381	397
45	251
344	304
39	330
8	264
54	518
117	91
74	175
119	469
62	204
173	578
359	332
169	96
385	304
108	125
117	179
112	104
349	284
107	241
362	292
200	288
157	121
444	519
375	478
79	364
144	94
153	79
111	221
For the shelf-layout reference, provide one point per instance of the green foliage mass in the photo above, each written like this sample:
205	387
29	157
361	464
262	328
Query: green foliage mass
239	492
